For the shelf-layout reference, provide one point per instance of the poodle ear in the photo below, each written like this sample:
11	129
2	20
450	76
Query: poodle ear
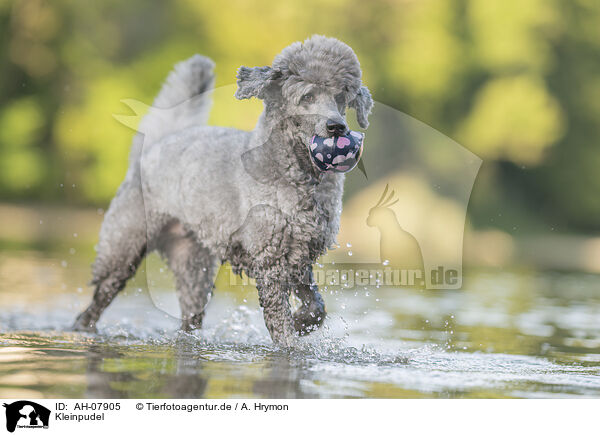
252	82
363	103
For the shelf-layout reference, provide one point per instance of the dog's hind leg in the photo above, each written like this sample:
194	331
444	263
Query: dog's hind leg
194	268
121	248
312	313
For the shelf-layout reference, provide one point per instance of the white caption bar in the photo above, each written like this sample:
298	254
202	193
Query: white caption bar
291	416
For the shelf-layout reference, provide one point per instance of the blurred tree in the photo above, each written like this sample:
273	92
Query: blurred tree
515	81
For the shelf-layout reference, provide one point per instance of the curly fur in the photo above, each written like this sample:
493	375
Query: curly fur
205	195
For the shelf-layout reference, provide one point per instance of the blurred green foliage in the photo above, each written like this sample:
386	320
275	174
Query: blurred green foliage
515	81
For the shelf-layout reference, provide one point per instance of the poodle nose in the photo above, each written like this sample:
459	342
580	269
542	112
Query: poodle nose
335	128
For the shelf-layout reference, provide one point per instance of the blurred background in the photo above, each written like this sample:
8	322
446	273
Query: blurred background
516	83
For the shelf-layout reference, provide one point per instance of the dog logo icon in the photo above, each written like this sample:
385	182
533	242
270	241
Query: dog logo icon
26	414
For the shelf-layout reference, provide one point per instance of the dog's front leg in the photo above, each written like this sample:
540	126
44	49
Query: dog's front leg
274	298
312	313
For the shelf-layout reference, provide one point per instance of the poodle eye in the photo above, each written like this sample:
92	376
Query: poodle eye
308	98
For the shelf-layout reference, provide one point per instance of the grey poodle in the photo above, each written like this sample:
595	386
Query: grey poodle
205	195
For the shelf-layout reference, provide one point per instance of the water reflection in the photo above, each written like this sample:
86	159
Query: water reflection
504	335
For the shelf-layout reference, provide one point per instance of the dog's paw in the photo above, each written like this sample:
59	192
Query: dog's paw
192	323
84	325
82	328
308	319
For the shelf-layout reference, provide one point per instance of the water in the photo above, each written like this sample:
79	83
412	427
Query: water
506	334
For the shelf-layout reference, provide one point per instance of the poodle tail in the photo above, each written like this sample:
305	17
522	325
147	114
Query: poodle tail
185	94
184	100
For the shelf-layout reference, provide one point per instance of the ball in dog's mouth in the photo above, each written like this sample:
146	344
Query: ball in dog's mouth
337	153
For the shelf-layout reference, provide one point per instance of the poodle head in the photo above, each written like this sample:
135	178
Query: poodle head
310	84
